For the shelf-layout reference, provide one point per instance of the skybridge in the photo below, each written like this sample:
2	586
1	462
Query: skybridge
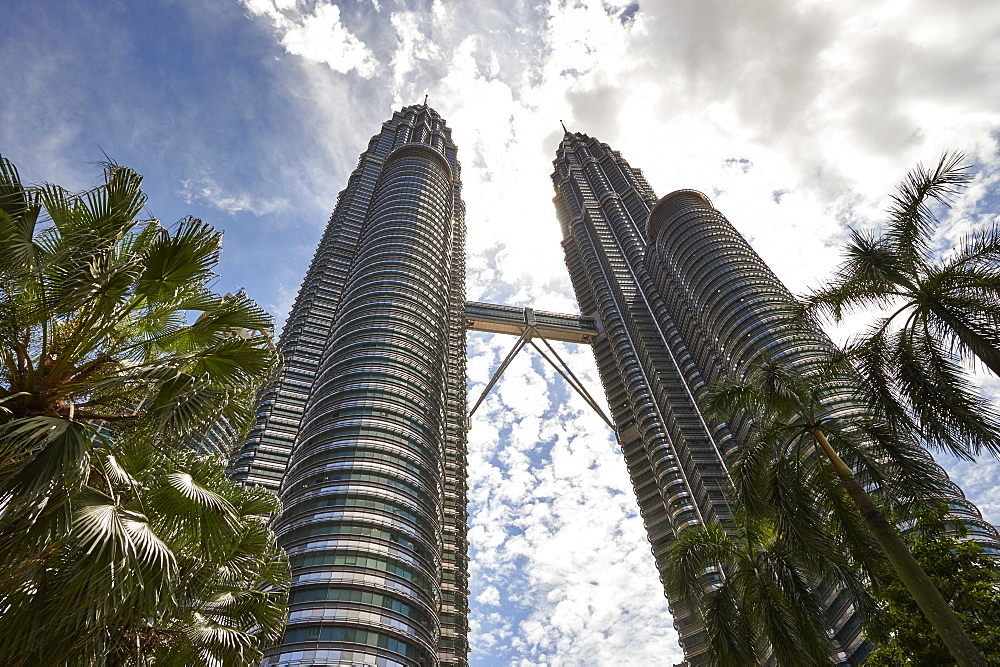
528	325
494	318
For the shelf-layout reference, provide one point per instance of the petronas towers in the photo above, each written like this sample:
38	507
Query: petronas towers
363	434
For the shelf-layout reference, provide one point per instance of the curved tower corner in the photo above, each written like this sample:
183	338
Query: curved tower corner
714	282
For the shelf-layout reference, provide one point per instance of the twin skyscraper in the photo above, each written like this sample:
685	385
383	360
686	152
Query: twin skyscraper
364	433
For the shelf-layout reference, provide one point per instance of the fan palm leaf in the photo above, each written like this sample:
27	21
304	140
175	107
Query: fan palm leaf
117	542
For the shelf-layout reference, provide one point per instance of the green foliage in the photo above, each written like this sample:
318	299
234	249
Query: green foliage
117	543
944	307
763	595
797	468
162	560
780	472
969	580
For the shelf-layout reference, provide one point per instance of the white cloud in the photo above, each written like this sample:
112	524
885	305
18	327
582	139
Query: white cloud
412	46
280	308
490	597
319	36
980	480
206	191
554	530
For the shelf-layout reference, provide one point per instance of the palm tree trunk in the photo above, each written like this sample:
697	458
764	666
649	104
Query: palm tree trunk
913	577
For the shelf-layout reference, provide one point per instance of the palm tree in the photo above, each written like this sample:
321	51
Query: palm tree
167	561
941	311
115	356
790	471
967	577
765	598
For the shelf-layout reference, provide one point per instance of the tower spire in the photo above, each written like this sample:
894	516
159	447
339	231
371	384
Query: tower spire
563	126
425	100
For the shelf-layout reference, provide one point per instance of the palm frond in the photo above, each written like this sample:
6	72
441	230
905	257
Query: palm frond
222	645
14	197
867	278
753	469
111	209
808	614
695	549
47	458
233	361
877	391
253	501
731	631
199	495
795	503
911	216
173	261
110	566
776	618
18	217
729	397
90	277
950	413
117	543
980	249
193	514
66	212
221	318
249	610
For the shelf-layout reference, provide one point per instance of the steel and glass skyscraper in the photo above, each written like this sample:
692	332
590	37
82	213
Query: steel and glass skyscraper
373	399
674	456
363	434
683	301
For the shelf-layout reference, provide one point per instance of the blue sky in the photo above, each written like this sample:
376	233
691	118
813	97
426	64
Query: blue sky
796	118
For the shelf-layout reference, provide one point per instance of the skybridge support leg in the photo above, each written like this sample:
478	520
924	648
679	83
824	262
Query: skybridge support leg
571	379
561	367
525	337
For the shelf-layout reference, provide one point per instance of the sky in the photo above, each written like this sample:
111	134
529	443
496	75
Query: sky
796	118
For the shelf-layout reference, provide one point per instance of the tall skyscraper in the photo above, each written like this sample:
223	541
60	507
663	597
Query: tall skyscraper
373	398
363	434
683	301
674	457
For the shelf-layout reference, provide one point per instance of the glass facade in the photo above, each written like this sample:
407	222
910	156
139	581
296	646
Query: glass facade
684	300
364	432
363	435
672	453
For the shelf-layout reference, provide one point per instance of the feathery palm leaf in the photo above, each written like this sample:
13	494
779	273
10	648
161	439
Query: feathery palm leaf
810	444
911	216
763	597
944	310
